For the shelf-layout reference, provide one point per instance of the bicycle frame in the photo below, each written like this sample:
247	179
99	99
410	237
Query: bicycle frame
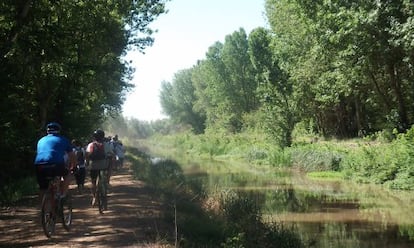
53	207
49	206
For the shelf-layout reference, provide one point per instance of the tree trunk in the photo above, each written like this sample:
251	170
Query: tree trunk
396	86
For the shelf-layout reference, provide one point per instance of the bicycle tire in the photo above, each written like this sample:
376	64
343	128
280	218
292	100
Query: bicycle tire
66	211
48	215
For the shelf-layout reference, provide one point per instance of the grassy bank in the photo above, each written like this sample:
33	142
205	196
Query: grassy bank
375	159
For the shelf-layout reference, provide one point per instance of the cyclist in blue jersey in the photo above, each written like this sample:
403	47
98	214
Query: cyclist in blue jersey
54	157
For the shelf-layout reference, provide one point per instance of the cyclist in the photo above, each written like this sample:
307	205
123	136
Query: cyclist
80	170
110	156
96	159
119	152
54	157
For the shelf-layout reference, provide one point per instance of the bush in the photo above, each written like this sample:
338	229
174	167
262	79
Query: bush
14	191
316	160
245	227
384	163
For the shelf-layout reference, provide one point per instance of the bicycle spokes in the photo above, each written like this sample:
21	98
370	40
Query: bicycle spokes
48	216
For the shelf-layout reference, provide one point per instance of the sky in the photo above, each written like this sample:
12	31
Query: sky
183	36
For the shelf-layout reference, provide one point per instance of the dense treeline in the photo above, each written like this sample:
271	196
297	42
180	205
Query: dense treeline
340	68
61	61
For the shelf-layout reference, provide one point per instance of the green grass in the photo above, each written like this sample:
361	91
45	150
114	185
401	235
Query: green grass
326	175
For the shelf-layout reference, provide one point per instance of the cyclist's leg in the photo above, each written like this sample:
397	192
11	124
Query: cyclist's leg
82	173
121	162
103	174
93	175
77	176
63	171
42	180
109	170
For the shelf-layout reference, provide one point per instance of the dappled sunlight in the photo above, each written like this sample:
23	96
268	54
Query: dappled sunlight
133	219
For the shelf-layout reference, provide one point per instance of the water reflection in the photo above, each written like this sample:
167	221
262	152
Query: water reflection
325	213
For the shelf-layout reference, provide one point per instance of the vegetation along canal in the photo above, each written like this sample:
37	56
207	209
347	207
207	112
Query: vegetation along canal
331	213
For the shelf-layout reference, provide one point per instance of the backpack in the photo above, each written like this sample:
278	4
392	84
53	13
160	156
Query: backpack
98	151
80	156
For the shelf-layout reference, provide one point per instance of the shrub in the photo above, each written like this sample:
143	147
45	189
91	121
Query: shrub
316	160
245	227
14	191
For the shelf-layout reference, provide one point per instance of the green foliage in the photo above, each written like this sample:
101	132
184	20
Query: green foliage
341	79
314	158
362	160
256	153
280	157
275	89
14	191
384	163
245	227
178	98
407	230
344	68
224	83
328	175
60	61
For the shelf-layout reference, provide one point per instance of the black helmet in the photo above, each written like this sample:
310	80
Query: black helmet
99	134
53	127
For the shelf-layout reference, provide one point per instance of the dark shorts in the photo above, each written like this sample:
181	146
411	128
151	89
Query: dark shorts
80	174
94	174
45	172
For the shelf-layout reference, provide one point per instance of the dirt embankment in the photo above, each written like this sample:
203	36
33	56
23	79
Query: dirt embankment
132	219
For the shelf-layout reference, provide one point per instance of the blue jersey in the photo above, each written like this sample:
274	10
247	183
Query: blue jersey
51	149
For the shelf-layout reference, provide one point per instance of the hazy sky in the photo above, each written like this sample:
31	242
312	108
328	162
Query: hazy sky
184	35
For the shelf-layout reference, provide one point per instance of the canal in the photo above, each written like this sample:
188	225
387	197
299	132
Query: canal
326	213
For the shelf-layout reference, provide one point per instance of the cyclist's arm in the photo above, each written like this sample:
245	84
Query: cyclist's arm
87	152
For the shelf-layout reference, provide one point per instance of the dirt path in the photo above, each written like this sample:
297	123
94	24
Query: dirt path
132	220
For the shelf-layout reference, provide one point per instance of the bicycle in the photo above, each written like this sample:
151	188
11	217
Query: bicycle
101	190
54	206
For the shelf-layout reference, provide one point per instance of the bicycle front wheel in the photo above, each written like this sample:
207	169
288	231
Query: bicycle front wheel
66	214
48	215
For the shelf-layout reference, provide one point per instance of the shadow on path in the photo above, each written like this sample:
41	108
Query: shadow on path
132	219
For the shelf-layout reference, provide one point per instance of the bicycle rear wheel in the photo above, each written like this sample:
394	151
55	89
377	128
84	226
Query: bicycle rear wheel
48	215
66	211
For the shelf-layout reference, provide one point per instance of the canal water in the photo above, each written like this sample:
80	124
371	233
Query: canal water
325	213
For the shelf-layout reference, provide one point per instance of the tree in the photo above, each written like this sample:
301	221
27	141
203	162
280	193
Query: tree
61	61
275	88
178	98
225	83
348	61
